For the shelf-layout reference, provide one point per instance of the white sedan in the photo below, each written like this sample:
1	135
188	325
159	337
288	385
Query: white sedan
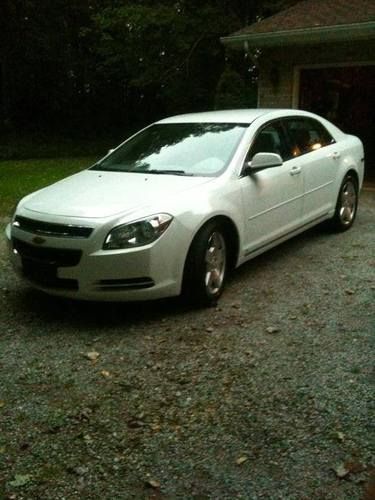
177	205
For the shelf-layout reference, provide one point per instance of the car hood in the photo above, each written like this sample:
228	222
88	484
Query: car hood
101	194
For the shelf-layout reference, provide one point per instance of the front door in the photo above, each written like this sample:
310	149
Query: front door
272	198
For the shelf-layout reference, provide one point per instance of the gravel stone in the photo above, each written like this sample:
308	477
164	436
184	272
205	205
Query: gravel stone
193	404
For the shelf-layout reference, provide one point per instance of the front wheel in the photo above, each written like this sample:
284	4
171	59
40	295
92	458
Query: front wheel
206	266
346	206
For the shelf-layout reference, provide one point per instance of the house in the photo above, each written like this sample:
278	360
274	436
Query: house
318	55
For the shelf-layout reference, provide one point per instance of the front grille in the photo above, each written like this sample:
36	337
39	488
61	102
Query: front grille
51	228
125	284
39	265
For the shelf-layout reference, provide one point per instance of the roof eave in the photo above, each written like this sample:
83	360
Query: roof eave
310	36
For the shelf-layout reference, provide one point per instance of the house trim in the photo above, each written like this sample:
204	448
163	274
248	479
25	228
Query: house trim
306	36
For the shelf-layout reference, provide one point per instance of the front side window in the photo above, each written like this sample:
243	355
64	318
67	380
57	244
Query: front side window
271	139
306	135
201	149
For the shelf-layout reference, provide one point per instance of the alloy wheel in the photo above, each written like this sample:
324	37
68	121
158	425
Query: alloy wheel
348	203
215	263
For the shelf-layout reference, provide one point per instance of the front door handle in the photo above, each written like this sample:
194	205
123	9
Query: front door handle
295	171
335	156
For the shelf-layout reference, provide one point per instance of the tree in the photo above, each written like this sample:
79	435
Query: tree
42	56
102	64
167	58
230	91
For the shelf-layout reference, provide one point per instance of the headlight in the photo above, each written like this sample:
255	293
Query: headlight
138	233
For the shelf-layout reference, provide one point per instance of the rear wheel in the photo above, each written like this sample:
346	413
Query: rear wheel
346	206
206	266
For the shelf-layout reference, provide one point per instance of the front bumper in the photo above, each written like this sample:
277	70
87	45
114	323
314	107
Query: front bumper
80	269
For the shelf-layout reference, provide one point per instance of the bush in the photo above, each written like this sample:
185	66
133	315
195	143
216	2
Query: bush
232	92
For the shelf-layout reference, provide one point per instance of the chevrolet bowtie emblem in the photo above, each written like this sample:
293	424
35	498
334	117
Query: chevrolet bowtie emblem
38	240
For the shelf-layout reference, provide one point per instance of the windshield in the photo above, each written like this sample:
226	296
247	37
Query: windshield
202	149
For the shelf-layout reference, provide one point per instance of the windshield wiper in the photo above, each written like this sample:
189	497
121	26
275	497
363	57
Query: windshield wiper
165	171
114	168
111	168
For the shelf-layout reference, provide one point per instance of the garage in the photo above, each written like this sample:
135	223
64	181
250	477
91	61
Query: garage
319	56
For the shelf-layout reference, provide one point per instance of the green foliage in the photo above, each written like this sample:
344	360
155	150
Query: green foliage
18	178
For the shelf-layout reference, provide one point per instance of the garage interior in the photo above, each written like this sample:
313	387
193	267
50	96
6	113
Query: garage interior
345	96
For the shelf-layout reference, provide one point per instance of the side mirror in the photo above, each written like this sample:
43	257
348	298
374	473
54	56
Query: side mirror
262	161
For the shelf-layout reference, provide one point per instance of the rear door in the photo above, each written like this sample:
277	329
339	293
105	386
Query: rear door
318	157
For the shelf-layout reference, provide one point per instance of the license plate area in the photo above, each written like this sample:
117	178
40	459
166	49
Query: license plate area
45	275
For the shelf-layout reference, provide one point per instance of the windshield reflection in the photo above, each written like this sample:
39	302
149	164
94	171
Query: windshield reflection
201	149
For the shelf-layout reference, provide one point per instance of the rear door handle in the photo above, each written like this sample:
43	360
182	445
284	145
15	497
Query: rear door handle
295	171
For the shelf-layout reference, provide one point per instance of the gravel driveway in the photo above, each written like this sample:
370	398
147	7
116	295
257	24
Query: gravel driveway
269	395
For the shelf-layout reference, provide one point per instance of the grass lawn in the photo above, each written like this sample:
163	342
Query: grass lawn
18	178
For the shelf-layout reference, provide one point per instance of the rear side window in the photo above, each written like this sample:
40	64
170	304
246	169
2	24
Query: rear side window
306	135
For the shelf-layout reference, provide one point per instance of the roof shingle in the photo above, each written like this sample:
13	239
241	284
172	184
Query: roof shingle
315	14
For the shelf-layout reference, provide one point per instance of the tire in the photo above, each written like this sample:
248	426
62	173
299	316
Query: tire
206	266
346	206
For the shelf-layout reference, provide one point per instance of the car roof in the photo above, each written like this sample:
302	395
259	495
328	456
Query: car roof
245	116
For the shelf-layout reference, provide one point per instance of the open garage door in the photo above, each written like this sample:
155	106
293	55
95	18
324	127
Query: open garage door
345	96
